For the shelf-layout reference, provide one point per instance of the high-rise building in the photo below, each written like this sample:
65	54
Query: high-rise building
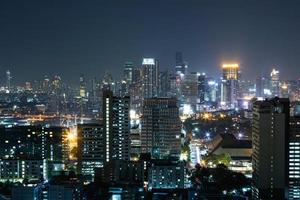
230	84
274	82
8	80
128	72
202	87
181	66
90	149
270	148
161	127
164	84
82	86
189	90
294	158
116	126
262	87
150	77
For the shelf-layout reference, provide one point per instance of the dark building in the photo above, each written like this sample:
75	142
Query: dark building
270	135
161	127
90	149
294	158
116	127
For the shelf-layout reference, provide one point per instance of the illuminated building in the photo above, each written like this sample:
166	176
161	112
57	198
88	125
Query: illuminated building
82	87
128	72
294	157
230	84
166	174
270	134
181	66
211	95
275	82
161	127
8	81
116	126
90	149
262	87
189	90
19	169
202	87
150	77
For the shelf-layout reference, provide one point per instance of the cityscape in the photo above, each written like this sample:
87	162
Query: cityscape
147	130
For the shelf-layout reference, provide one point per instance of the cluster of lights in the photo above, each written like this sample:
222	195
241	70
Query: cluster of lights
230	65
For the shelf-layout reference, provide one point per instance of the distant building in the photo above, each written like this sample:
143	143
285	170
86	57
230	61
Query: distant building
82	87
150	77
274	77
181	66
161	127
189	90
270	134
230	84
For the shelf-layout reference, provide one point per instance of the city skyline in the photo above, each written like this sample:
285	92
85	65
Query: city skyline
70	39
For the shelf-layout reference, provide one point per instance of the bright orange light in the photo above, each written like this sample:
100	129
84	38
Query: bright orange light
230	65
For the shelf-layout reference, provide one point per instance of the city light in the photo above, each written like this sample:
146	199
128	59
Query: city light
230	65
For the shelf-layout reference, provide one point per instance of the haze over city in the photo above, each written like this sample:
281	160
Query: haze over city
69	38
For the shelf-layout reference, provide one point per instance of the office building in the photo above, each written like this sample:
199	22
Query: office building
270	148
189	90
90	149
150	77
230	84
274	78
116	126
82	87
161	127
294	157
181	66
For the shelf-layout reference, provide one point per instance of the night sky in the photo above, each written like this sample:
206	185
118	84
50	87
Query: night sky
72	37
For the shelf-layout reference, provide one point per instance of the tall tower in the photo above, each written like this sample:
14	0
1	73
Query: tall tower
230	84
181	66
150	76
294	157
116	126
274	82
161	127
82	86
127	74
270	135
8	80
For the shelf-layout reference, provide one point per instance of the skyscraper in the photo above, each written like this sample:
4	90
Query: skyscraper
128	72
8	80
181	66
82	86
202	87
116	126
161	127
90	149
270	148
230	84
189	89
274	82
150	77
294	158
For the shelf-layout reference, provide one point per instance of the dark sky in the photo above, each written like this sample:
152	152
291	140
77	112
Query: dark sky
73	37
